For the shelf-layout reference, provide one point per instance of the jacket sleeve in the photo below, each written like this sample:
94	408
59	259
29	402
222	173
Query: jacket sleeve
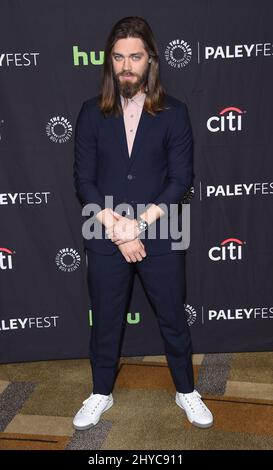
85	162
180	159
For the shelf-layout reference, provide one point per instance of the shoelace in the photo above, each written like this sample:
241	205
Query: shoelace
195	402
91	404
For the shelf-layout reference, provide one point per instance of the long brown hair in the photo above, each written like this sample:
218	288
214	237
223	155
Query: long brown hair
137	27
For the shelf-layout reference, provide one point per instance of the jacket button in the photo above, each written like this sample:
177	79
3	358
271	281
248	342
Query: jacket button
130	177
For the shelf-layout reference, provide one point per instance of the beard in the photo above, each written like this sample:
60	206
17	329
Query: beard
127	88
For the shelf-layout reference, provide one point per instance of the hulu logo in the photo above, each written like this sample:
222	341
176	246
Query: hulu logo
131	319
82	58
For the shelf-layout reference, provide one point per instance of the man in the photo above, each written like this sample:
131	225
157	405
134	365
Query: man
134	143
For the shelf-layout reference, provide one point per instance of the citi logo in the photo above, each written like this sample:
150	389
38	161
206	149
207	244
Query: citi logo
229	119
6	258
87	58
229	249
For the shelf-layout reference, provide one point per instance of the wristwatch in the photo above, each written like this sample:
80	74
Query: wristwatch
142	224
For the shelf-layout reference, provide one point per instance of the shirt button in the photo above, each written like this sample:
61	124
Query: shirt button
132	115
130	177
131	130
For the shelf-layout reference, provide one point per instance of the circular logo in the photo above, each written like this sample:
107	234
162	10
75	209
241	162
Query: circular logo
191	314
189	195
59	129
68	260
178	53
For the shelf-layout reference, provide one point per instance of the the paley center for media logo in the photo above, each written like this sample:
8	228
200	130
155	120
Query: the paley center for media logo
59	129
191	314
178	53
68	259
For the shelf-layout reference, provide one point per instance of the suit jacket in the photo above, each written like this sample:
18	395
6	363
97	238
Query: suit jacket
159	169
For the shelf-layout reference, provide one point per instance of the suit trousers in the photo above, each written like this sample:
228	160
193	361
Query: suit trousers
110	280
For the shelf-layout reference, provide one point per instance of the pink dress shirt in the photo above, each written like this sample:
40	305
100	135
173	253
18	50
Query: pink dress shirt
131	116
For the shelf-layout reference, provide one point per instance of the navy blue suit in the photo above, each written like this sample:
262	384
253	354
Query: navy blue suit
159	170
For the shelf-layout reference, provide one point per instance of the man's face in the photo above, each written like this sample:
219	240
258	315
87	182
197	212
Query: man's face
130	63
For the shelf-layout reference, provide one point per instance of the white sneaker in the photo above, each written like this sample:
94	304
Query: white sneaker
91	411
197	412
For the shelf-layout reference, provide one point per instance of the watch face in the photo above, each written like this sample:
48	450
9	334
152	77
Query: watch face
142	224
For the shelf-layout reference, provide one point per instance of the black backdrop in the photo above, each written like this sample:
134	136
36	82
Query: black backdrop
217	57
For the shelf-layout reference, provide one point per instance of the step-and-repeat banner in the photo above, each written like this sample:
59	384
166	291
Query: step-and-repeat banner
216	56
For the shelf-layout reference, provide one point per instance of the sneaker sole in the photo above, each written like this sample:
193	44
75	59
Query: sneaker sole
198	425
88	426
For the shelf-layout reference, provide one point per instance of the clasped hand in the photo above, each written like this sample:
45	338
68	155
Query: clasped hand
123	230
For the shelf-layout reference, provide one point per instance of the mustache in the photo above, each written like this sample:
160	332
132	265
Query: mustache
121	74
